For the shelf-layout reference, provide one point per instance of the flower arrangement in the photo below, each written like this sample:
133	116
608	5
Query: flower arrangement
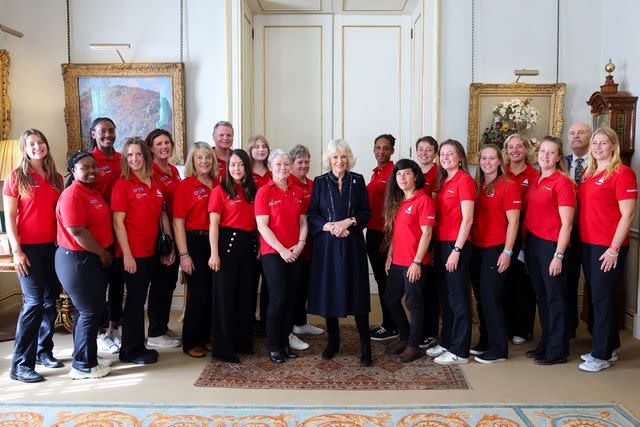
510	117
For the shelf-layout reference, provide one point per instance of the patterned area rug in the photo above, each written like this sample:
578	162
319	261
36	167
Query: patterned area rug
343	372
151	415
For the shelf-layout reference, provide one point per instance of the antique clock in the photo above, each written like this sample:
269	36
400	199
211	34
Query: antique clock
616	109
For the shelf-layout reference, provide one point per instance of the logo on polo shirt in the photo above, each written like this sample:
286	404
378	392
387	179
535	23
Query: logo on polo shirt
200	193
274	202
632	190
96	203
103	170
600	181
547	188
525	182
516	202
158	193
139	192
451	191
409	209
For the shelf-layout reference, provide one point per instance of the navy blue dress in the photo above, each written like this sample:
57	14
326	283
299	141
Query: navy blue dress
339	283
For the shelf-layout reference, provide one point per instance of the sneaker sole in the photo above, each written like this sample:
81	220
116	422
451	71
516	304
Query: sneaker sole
592	370
385	338
162	345
457	362
489	362
586	358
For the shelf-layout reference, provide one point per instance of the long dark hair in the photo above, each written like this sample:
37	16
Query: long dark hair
92	141
247	182
71	162
394	196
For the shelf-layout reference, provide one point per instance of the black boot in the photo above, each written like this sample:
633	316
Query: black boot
333	346
362	322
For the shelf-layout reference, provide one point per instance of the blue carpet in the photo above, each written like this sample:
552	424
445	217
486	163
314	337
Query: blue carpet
165	415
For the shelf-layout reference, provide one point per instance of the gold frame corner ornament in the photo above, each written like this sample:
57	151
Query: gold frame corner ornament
555	92
72	72
5	104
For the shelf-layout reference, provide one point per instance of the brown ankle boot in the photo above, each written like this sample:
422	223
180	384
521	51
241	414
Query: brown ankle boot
409	355
396	347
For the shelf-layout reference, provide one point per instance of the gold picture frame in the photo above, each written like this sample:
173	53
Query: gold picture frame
547	98
137	97
5	104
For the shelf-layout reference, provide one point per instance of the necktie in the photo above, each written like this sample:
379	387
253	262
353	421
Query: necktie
578	171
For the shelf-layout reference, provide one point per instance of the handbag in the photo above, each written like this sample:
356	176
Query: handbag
164	244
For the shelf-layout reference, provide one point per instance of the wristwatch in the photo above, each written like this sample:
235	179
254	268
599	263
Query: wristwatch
558	255
457	249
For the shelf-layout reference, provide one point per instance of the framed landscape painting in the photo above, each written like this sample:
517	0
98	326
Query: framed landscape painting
137	97
496	110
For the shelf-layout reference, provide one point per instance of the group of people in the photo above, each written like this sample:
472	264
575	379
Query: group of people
240	218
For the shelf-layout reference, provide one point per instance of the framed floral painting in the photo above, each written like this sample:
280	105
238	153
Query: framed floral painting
137	97
498	110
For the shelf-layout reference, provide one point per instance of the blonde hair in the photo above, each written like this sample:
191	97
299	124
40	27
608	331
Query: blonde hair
251	144
146	156
615	162
190	167
480	173
459	149
23	177
338	145
529	158
561	164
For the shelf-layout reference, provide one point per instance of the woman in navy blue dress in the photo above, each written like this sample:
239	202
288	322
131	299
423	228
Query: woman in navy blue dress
337	214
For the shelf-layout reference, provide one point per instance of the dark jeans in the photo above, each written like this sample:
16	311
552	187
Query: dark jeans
84	279
431	318
453	289
115	293
398	285
300	305
374	240
260	284
232	291
520	299
574	265
488	287
40	290
137	285
282	279
196	329
606	337
163	283
551	295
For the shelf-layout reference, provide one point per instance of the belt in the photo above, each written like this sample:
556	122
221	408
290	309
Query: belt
198	232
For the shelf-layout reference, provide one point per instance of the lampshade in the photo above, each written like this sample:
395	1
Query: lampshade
9	155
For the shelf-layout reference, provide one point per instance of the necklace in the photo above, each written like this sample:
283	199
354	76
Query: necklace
332	211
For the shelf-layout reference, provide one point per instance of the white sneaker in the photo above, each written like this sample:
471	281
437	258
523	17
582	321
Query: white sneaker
448	358
587	356
307	330
104	362
517	340
116	337
106	344
296	343
173	335
162	341
435	351
98	371
594	365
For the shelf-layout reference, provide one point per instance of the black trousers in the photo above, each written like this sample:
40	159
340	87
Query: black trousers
453	289
603	288
362	324
260	286
163	283
574	265
40	290
488	287
398	285
196	328
431	318
282	280
84	279
232	293
374	240
300	305
551	295
137	286
520	299
115	294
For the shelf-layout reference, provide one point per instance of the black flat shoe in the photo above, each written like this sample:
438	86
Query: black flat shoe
549	360
48	361
330	351
276	357
147	358
26	376
535	353
290	354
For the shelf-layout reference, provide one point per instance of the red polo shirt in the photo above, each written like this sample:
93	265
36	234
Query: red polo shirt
191	203
234	212
524	178
261	179
36	215
81	206
448	209
417	211
489	213
599	212
431	180
284	209
375	190
543	199
306	188
143	207
108	172
167	184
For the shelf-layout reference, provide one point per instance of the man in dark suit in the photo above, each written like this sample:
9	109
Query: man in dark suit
579	138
